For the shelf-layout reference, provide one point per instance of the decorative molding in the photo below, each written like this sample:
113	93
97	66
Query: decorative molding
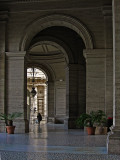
16	54
57	43
26	1
98	53
55	20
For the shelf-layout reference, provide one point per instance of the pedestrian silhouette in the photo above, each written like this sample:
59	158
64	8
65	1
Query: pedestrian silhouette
39	117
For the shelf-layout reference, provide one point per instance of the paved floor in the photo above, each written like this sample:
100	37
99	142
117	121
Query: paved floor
53	142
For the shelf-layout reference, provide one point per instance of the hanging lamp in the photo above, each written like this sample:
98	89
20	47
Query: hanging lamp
33	91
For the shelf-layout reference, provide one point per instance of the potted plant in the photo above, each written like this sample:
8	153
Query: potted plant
87	120
101	122
8	118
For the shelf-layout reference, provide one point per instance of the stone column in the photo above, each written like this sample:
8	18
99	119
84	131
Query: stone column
114	139
51	103
95	79
72	94
3	23
60	101
16	96
2	90
109	82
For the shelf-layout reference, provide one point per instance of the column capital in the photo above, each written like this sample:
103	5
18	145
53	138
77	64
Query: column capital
96	53
16	55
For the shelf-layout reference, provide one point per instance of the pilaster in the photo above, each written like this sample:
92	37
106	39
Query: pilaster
95	79
16	88
2	89
3	24
60	101
114	137
72	93
51	103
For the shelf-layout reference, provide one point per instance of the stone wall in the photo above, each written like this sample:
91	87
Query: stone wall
91	24
91	17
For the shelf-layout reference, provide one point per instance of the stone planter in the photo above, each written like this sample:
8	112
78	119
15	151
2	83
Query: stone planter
101	130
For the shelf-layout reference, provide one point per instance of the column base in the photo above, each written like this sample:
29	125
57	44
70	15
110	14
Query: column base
51	119
66	123
22	126
71	123
113	143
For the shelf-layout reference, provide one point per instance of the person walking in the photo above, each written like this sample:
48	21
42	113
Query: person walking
39	117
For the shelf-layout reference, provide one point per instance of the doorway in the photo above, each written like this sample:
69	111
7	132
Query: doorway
36	96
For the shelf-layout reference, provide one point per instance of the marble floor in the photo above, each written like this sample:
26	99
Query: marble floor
53	142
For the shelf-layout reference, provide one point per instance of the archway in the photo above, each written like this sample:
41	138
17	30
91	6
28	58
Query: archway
39	54
36	96
50	35
55	20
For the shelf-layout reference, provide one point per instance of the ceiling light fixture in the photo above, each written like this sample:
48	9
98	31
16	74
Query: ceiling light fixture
33	91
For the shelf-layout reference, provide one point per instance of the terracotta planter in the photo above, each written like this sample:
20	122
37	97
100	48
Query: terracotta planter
90	130
10	129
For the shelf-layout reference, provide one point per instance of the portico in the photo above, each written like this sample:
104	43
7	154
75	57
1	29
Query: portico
76	46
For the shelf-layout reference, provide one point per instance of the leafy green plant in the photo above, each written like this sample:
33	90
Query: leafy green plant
92	119
80	122
10	117
87	120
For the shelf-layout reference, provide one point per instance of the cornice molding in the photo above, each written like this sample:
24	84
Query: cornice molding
96	53
16	54
25	1
50	57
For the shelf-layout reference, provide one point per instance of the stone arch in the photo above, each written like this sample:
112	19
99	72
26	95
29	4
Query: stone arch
45	68
51	78
55	20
